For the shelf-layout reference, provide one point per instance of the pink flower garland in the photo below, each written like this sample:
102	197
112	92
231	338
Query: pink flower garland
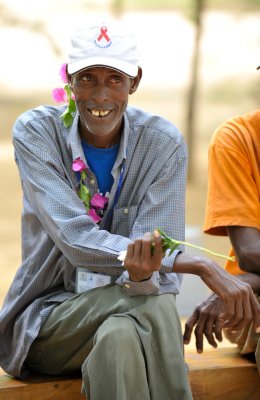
65	95
97	202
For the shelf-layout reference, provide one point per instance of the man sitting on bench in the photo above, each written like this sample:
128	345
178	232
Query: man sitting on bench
95	182
233	209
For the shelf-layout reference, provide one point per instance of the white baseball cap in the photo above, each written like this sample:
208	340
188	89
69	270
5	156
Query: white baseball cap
106	44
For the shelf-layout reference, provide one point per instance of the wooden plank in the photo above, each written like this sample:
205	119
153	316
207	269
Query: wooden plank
217	358
40	388
222	374
214	375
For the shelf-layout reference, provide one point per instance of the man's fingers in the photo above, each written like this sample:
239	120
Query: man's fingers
255	307
130	251
138	248
146	246
230	309
218	330
199	330
209	332
189	325
158	248
242	309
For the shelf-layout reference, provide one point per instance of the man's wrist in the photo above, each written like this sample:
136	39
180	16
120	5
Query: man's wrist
140	280
189	264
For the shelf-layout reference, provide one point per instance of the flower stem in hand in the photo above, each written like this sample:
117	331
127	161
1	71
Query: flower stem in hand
172	244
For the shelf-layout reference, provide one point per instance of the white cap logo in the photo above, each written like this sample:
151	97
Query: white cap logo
103	39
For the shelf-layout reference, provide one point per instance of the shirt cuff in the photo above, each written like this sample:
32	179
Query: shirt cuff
143	288
168	261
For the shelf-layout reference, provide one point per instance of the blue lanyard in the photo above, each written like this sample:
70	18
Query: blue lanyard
119	185
109	214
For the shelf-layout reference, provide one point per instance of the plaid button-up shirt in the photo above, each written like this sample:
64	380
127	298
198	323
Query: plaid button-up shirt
58	236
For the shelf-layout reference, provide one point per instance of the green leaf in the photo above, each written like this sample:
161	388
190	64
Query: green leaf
67	119
72	106
83	175
84	194
68	115
67	90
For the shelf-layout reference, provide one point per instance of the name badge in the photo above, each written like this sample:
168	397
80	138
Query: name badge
86	280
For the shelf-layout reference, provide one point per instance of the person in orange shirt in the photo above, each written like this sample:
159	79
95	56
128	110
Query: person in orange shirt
233	209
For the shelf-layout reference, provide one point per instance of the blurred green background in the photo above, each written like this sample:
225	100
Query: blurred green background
199	62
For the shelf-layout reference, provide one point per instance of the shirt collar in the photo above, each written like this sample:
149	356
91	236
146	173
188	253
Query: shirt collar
74	140
122	152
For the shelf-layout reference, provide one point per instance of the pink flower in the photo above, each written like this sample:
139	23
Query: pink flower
93	215
98	201
63	73
78	165
59	95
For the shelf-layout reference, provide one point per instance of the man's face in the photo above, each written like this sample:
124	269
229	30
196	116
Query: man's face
101	96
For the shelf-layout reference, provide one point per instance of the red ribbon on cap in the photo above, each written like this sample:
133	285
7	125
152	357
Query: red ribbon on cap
103	34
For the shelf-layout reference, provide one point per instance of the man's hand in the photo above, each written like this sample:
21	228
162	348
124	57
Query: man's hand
239	302
144	256
205	319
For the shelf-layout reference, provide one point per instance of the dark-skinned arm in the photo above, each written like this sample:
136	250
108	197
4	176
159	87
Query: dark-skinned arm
205	318
239	302
246	243
237	296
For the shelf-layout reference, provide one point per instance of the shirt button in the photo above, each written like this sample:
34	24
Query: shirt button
126	211
92	181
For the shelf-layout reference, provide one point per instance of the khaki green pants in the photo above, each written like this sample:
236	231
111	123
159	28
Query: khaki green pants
127	348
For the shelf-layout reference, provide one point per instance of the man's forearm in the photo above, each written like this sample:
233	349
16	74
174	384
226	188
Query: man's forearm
189	264
246	243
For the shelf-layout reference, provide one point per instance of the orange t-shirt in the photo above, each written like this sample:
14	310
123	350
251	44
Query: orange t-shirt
234	178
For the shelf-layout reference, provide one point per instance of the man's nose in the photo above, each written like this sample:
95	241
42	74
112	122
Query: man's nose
101	93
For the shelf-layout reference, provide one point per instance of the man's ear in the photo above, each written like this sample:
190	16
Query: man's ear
135	81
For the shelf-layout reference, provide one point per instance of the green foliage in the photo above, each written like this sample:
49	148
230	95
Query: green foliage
68	114
187	6
237	5
157	4
84	194
234	91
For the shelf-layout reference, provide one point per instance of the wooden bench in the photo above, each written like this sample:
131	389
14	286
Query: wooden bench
40	387
222	374
214	375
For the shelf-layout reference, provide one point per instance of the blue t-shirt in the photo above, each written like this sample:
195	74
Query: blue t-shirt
101	162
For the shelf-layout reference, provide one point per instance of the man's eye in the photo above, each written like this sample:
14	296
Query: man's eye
86	78
115	79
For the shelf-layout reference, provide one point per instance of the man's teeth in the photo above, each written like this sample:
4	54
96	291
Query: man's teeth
99	113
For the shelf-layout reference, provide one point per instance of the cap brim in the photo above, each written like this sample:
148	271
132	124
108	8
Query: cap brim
119	65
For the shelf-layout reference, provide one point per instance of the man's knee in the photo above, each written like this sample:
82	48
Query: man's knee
117	333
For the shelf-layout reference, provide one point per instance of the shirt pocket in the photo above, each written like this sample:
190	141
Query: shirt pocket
123	220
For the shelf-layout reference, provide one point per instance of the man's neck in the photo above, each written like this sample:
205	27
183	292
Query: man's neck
103	141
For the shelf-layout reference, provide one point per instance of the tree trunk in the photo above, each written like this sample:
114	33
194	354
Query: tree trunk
193	88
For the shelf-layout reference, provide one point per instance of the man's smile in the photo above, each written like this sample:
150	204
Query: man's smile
100	114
